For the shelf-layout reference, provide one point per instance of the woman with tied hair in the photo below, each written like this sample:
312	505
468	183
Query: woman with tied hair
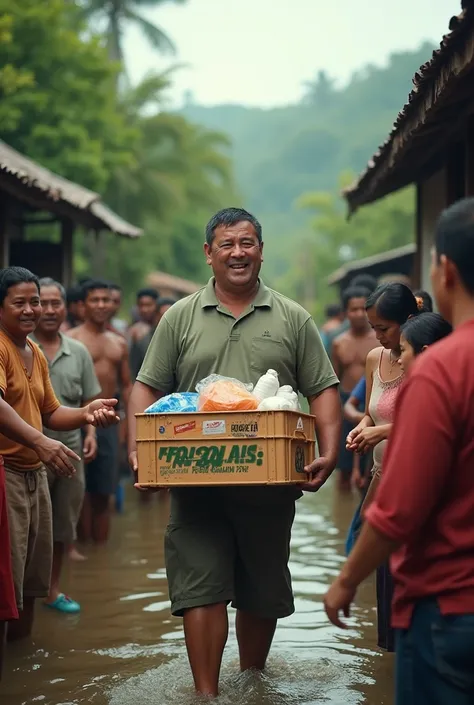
388	308
418	333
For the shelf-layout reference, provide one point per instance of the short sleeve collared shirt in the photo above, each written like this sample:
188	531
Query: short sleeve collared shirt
30	395
74	382
198	337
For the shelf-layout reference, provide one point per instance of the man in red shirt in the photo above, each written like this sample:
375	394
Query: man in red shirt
423	513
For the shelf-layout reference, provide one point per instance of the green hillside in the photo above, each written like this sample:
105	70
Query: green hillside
283	152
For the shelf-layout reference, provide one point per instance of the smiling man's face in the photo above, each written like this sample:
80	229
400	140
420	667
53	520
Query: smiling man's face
235	255
21	310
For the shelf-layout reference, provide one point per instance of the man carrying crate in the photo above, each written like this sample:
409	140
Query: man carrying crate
231	544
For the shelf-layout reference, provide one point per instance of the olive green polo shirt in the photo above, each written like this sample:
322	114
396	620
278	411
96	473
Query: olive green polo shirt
74	382
198	336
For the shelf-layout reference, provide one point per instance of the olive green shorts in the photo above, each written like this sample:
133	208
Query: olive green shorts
67	496
231	545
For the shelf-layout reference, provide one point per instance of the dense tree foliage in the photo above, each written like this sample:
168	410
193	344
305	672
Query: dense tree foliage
167	172
118	15
335	240
59	105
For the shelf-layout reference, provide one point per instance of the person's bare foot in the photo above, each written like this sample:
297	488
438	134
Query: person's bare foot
74	554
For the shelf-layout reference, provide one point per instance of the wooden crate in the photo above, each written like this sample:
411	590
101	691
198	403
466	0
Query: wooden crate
233	448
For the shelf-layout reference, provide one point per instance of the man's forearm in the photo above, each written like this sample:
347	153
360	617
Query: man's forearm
126	393
65	419
13	426
371	550
141	398
326	407
90	430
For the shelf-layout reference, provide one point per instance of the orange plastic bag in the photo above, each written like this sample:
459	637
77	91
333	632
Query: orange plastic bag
224	394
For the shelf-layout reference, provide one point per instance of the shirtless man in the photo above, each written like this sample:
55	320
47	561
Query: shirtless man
110	356
116	324
147	307
142	338
349	353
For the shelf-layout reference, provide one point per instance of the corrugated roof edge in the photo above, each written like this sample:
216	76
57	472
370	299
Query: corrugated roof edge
354	265
57	188
421	84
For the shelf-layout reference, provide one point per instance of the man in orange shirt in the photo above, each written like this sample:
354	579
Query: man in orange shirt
26	387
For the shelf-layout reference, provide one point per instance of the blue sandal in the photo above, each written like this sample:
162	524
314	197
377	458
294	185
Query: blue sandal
63	603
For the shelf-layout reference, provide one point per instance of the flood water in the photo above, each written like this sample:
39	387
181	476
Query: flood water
126	649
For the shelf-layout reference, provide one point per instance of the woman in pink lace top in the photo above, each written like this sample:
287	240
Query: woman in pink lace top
388	308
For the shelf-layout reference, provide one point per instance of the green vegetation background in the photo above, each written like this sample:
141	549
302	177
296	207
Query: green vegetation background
65	101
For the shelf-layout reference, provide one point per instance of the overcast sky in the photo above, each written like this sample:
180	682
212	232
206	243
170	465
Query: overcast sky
260	52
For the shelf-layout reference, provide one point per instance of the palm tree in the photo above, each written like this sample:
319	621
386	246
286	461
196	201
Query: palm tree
180	173
118	15
174	162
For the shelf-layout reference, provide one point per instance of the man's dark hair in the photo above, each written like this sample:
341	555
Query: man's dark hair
333	310
115	287
231	216
10	276
454	238
366	280
91	285
354	292
73	294
394	302
166	301
425	329
152	293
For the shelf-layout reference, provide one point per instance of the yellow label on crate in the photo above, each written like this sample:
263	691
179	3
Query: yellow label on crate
208	459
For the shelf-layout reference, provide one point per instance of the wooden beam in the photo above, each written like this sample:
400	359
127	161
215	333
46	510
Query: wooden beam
455	171
5	222
416	276
469	160
37	221
67	251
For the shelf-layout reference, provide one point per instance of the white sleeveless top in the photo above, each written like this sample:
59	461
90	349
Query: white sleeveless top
382	408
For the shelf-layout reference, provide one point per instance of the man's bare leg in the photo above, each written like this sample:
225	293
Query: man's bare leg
22	627
206	630
344	482
100	507
84	527
255	636
74	554
58	555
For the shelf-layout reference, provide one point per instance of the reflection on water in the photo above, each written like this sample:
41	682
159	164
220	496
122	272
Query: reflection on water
126	649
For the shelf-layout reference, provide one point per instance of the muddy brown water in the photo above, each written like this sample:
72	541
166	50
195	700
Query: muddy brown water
126	649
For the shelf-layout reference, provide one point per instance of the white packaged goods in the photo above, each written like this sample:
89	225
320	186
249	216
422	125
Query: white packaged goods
267	385
286	389
292	398
276	404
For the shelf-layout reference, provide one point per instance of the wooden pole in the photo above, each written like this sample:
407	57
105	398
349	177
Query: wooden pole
67	251
5	222
416	274
469	160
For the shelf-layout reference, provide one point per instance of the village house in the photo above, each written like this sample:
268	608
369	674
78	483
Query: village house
431	144
34	198
170	286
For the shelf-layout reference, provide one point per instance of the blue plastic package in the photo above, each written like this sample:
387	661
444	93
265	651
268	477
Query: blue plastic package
176	403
